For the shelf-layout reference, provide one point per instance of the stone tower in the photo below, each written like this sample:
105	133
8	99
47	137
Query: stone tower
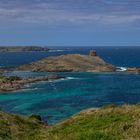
93	53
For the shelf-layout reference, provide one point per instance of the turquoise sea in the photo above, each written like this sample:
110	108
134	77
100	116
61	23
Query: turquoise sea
57	100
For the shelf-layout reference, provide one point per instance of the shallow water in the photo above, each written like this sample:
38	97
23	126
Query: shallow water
57	100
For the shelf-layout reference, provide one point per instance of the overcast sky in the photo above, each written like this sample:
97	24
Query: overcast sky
70	22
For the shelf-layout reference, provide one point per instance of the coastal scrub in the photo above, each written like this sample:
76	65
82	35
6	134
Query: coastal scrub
108	123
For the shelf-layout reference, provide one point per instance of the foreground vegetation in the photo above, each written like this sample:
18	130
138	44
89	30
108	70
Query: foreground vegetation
108	123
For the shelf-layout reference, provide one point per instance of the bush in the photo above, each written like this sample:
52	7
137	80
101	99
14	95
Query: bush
37	117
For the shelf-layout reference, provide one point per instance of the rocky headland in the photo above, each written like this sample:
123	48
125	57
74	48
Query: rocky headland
70	63
13	83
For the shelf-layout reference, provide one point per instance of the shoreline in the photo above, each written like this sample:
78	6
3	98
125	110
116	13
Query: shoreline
14	83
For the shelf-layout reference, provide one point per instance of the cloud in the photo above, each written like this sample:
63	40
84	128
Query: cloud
60	11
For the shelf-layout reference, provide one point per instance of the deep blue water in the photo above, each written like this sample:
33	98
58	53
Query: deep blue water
115	55
57	100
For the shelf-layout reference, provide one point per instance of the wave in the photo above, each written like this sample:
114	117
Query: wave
121	69
71	78
63	79
56	50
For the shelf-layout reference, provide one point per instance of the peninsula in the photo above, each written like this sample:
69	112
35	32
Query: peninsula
13	83
22	48
70	63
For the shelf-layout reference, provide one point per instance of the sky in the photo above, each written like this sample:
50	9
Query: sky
70	22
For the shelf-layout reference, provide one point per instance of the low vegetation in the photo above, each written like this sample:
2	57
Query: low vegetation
14	127
108	123
8	78
69	63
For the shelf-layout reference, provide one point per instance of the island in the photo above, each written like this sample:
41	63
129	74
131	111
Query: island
70	63
13	83
22	49
106	123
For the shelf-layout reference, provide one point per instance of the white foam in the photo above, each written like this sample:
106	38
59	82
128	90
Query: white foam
62	79
121	69
70	78
56	50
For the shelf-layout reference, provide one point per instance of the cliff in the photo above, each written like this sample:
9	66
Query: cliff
70	63
22	48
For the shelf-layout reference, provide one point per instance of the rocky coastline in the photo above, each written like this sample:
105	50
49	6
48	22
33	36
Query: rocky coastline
13	83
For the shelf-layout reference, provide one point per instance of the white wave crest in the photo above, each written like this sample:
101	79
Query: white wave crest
121	69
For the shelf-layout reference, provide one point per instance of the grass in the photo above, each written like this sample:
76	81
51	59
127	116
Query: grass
14	127
108	123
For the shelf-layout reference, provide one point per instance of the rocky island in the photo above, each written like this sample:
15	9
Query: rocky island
12	83
22	48
70	63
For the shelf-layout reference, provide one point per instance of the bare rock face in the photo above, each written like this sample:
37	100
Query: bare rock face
70	63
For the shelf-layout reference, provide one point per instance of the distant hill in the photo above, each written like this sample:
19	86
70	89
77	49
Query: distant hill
22	48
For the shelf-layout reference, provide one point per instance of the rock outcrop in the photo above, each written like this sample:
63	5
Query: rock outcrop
133	70
13	83
70	63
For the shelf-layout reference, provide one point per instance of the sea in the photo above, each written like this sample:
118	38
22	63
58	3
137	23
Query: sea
57	100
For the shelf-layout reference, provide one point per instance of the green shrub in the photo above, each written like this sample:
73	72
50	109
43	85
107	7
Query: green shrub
37	117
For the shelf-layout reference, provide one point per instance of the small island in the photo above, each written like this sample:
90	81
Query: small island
70	63
13	83
22	49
